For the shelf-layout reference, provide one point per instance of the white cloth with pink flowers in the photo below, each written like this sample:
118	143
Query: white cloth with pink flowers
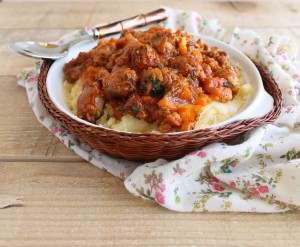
260	174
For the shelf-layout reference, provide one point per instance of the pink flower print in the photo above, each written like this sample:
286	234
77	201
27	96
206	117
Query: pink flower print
159	197
201	154
61	42
255	192
198	19
218	187
32	79
290	92
284	57
63	141
263	189
62	130
245	41
162	187
233	164
214	179
232	184
55	130
294	76
133	185
255	42
193	153
148	180
288	109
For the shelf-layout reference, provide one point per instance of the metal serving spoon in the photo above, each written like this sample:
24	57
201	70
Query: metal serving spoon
52	51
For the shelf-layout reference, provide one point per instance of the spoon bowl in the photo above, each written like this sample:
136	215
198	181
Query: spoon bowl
45	50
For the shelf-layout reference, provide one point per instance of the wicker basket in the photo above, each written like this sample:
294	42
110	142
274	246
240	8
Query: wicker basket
147	147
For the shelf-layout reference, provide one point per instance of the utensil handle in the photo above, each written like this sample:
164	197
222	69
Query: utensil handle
133	22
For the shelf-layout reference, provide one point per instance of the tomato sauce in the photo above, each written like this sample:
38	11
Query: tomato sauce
155	75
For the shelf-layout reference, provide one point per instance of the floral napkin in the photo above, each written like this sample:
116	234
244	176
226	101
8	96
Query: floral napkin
259	173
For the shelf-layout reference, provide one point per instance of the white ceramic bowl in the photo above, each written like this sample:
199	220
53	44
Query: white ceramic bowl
257	105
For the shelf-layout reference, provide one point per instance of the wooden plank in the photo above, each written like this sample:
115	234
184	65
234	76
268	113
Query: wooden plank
65	15
77	204
20	133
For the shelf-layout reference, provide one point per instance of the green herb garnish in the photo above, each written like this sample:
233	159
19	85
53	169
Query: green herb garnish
135	108
144	88
157	89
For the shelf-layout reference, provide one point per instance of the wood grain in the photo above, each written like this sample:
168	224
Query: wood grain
78	204
49	15
68	202
21	135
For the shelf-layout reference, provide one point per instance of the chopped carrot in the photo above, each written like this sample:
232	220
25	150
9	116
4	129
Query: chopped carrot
174	119
198	109
167	103
186	94
201	101
186	112
182	46
186	126
221	94
198	55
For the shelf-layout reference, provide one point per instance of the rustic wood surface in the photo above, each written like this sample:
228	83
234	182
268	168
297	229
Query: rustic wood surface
57	199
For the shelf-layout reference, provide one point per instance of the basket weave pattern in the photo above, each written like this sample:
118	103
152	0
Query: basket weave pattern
147	147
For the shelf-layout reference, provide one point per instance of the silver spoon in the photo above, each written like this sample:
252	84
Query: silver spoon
52	51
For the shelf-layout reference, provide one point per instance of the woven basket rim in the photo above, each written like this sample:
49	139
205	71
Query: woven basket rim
187	140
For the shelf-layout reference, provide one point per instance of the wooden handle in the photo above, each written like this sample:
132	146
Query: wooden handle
133	22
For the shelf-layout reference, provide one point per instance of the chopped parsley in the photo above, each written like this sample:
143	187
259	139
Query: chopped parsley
144	88
135	108
157	89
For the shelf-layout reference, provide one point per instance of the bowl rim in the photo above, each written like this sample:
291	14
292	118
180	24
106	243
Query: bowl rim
228	48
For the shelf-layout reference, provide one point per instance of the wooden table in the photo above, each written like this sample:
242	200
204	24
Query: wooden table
64	200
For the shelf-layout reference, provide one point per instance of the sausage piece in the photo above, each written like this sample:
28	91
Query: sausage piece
120	83
90	103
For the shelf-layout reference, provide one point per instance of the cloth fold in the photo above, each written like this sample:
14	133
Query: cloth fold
259	173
